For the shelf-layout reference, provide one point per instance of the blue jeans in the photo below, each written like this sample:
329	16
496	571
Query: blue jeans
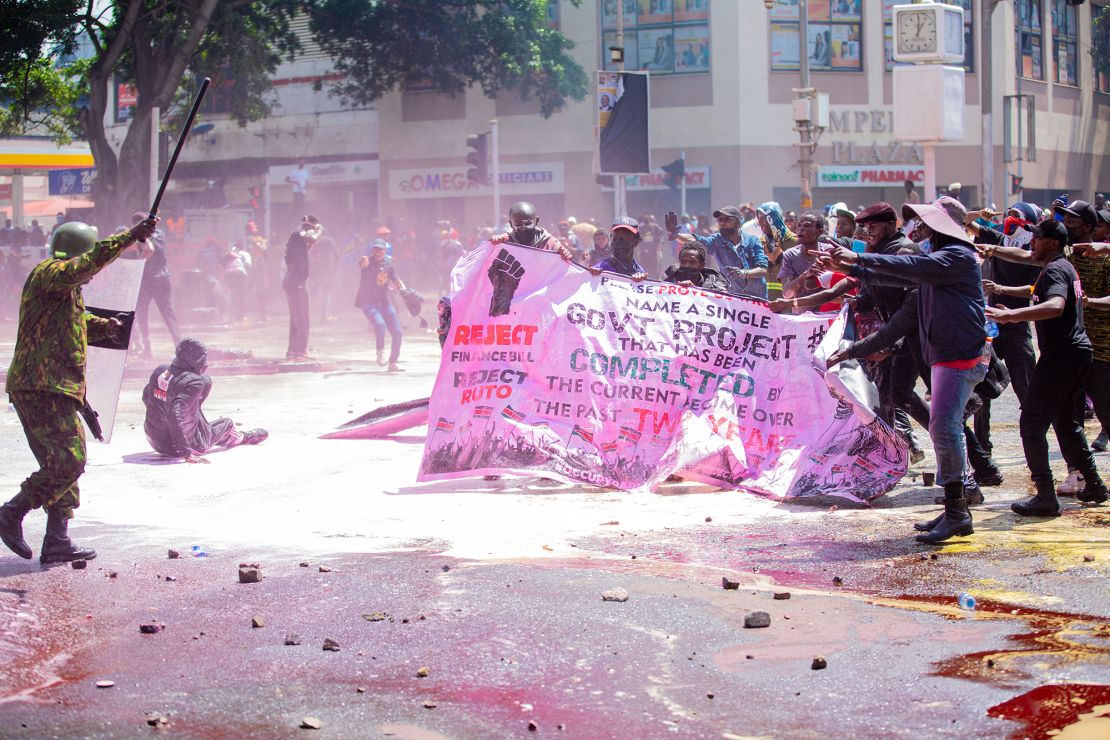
951	389
384	317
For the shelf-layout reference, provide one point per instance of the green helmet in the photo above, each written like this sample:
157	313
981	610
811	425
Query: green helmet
72	239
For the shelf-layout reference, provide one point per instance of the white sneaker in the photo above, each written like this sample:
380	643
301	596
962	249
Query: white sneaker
1072	485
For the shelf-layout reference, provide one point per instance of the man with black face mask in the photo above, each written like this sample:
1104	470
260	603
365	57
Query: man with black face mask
175	425
525	230
624	237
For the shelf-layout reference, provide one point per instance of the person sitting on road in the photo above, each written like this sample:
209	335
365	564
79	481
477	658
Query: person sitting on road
175	425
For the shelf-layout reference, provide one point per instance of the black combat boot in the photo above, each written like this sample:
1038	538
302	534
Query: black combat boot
1095	490
255	436
56	545
1044	503
956	519
11	526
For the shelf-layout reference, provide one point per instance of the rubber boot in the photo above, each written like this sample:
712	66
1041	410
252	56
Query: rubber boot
956	520
1095	490
56	545
1044	503
11	526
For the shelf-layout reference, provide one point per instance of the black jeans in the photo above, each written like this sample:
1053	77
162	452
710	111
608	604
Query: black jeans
1014	346
1056	379
296	292
160	291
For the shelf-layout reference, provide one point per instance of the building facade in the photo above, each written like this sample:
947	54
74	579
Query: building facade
722	74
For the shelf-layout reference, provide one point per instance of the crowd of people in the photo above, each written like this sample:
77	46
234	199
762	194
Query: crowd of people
940	294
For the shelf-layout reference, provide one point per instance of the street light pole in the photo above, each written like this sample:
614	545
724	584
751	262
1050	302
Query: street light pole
618	179
806	92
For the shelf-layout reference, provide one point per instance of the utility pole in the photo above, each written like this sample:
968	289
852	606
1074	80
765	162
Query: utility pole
495	157
683	155
804	93
986	100
618	179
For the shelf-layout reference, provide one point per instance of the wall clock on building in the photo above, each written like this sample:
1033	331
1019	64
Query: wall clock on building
928	33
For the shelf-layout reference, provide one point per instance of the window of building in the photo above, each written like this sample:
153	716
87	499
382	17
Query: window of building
661	36
1030	39
1100	36
969	32
1065	43
553	14
835	35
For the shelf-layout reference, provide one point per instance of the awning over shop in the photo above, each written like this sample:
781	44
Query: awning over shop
37	153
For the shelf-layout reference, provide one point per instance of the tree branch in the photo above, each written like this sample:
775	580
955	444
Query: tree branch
172	78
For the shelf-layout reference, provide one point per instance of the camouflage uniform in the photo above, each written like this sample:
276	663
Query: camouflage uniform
46	380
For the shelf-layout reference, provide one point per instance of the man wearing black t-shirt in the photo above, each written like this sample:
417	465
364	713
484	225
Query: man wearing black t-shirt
1014	343
1065	359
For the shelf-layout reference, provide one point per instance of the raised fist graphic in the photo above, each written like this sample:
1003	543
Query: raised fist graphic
505	274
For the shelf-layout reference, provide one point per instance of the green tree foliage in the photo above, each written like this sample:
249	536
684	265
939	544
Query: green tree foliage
36	32
448	45
1100	40
164	47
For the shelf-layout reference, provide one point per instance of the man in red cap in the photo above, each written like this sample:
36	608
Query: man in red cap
624	237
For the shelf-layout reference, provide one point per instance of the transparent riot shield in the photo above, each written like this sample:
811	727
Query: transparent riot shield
114	292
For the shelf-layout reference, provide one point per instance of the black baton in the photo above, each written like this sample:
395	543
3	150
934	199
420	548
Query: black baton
177	150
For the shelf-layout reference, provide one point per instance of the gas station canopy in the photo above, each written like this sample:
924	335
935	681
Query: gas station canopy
29	155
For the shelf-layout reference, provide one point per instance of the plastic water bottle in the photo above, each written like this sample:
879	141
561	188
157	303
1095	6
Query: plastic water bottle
992	329
966	601
200	552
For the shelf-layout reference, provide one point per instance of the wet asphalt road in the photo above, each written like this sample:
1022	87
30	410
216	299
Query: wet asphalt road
514	629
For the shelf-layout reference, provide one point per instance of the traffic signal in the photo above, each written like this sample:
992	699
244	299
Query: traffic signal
676	171
1015	183
478	158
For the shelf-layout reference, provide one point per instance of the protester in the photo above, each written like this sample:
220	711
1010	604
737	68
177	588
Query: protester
894	375
739	257
845	223
175	424
794	271
601	249
156	285
1014	343
952	333
777	235
237	265
911	194
298	178
46	381
295	285
324	259
1065	358
377	276
625	236
1079	219
691	271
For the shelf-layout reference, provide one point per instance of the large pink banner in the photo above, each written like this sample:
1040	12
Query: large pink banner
549	370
